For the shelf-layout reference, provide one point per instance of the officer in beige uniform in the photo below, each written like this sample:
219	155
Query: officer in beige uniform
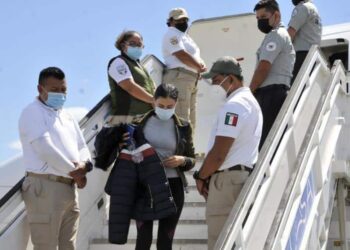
233	146
183	62
305	30
56	158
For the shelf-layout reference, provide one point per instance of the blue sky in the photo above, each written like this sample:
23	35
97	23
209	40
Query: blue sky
78	36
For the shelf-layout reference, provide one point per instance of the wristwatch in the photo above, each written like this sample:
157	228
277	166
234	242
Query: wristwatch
88	166
197	177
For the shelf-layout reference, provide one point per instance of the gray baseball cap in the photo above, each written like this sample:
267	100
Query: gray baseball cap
224	66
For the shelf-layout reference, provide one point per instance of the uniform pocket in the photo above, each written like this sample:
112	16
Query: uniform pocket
40	228
218	182
38	187
239	177
25	185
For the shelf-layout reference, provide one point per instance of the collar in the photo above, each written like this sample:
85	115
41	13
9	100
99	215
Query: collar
178	31
126	56
277	26
43	105
280	25
241	89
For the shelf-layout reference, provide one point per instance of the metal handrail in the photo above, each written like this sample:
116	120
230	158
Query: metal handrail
11	192
280	221
233	227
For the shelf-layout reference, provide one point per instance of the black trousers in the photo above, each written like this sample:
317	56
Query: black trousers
299	60
270	99
166	227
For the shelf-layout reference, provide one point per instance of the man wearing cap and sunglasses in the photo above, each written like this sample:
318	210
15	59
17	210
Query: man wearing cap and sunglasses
184	64
233	145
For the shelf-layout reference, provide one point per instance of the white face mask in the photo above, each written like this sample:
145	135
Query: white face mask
219	91
164	114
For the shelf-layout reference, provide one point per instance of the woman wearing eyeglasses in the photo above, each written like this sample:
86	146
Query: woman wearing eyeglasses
131	86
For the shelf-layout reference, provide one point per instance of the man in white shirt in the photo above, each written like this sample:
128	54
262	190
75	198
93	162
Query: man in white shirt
184	64
233	146
56	157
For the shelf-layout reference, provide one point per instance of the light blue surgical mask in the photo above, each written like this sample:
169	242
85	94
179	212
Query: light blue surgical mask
134	52
55	100
164	114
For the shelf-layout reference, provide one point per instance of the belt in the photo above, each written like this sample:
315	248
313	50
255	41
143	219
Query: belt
273	86
145	153
185	71
235	168
52	177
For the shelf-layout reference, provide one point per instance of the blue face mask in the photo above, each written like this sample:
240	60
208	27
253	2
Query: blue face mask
164	114
55	100
134	52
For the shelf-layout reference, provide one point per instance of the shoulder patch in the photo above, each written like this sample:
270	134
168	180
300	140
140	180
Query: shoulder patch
174	40
295	12
231	119
121	69
271	46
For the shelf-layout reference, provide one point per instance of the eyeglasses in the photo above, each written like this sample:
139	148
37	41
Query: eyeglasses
134	44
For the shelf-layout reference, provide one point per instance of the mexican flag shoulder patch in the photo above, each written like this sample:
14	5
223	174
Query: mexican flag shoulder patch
231	119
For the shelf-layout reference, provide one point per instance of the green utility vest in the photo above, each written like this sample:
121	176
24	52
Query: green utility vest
122	102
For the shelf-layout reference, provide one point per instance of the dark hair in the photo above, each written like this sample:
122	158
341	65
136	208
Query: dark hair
123	37
168	22
166	90
54	72
269	5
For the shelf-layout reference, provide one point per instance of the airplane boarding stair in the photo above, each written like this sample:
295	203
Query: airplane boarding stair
302	169
287	202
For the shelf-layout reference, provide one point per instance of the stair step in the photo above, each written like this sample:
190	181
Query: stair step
184	231
103	244
193	213
190	213
193	196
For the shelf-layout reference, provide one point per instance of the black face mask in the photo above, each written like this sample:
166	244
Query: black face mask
182	26
296	2
264	26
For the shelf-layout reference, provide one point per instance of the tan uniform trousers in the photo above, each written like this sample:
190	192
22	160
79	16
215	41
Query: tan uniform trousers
224	188
52	212
186	83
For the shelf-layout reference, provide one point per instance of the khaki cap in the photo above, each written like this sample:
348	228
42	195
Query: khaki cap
178	13
226	65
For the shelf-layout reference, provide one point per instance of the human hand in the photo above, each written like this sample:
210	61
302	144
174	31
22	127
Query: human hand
79	170
81	182
174	161
202	187
125	139
79	174
202	68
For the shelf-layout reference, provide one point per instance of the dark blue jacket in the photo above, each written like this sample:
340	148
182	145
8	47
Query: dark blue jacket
137	191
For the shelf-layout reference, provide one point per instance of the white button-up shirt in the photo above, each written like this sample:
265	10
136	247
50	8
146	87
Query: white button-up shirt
38	121
175	40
